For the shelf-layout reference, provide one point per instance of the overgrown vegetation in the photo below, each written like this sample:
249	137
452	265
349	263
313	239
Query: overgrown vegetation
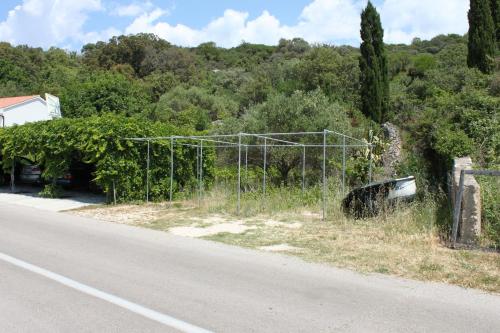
142	85
99	140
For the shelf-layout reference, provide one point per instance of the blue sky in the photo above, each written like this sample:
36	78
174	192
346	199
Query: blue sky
72	23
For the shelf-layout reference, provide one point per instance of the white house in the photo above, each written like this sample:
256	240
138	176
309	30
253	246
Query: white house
24	109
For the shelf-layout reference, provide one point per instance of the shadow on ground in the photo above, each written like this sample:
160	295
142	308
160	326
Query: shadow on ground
27	195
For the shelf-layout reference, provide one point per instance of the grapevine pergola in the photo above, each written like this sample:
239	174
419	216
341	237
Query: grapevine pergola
243	141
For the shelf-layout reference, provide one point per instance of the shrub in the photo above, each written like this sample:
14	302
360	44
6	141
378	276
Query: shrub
451	142
421	64
495	86
51	191
100	141
490	210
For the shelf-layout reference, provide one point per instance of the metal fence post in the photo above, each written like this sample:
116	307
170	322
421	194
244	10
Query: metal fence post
457	208
370	158
13	176
246	167
171	168
324	174
201	172
303	168
114	192
264	167
239	173
147	175
343	165
198	172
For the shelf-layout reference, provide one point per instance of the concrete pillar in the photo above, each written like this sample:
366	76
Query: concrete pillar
470	215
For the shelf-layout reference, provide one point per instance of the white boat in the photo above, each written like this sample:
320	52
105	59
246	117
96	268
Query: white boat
402	188
368	199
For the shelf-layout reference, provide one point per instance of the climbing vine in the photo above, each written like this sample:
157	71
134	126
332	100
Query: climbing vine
101	141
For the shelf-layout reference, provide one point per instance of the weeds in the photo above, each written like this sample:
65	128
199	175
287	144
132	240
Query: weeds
51	191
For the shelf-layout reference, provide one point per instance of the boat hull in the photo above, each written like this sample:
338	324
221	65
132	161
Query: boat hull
371	199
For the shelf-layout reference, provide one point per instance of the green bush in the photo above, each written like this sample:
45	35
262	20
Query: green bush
451	142
421	64
100	141
490	209
51	191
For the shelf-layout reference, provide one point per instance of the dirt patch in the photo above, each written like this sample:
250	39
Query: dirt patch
124	214
195	232
309	214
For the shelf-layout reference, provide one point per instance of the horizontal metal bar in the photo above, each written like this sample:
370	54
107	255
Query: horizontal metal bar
187	144
289	145
272	139
182	137
346	136
259	135
311	133
207	140
290	133
232	145
482	172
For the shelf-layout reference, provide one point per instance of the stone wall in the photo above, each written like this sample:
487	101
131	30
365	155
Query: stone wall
470	217
392	155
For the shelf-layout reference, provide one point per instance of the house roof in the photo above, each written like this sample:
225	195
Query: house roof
5	102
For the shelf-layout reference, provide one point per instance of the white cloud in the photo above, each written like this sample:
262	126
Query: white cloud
405	19
47	22
330	20
128	10
61	22
321	21
133	9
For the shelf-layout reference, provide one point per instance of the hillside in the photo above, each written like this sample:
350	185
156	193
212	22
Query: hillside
445	108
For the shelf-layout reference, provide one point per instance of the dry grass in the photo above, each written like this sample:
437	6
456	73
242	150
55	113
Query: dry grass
403	243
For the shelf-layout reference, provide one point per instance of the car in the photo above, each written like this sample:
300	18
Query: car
78	176
4	177
369	200
67	180
28	172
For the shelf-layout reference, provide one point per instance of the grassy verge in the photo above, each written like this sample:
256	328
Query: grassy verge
404	242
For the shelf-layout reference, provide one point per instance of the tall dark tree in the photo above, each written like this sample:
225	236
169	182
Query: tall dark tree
374	78
482	38
495	13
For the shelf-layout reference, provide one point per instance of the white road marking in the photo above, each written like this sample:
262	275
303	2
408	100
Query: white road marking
133	307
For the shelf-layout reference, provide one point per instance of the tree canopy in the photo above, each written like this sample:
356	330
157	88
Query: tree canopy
482	35
373	66
434	96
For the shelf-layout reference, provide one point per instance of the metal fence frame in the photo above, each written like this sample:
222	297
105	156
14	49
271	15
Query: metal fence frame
458	200
270	140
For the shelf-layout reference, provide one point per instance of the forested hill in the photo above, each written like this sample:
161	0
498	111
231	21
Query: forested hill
445	108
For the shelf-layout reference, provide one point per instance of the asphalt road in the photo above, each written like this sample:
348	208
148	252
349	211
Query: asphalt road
60	273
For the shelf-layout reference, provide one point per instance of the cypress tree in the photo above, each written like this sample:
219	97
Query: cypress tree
374	77
495	13
482	38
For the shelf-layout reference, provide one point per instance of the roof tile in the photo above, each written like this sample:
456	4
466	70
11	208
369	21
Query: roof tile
9	101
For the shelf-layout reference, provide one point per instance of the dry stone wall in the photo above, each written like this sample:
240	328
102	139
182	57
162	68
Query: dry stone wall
392	155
